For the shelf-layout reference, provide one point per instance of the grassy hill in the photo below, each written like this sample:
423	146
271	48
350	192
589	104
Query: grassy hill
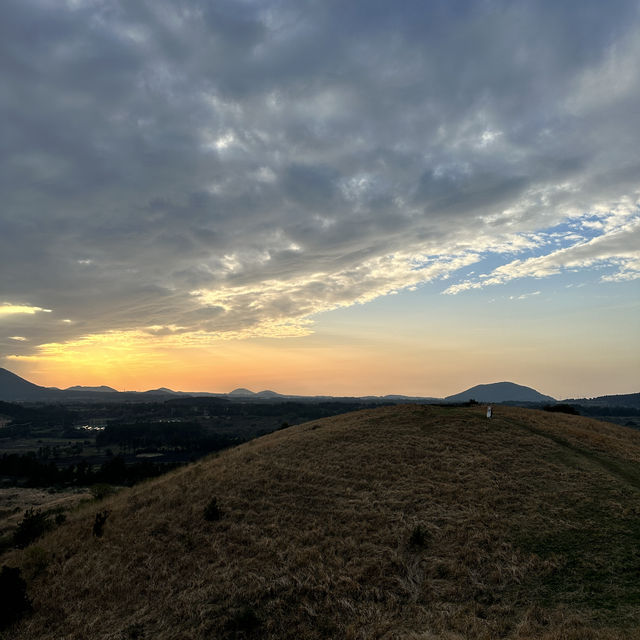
407	522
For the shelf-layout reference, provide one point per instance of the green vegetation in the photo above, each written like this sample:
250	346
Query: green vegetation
85	444
562	408
30	472
595	541
102	490
598	566
35	524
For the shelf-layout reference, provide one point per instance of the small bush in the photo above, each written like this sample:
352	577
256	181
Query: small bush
13	596
98	525
244	622
34	524
134	631
101	490
562	408
419	537
212	511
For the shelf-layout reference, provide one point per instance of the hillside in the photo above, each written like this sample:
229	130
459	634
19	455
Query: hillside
500	392
400	522
14	388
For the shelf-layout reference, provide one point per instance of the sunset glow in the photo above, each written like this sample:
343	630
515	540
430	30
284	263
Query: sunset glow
320	198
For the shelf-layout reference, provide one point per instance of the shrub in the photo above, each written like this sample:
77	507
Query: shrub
244	622
34	524
13	596
562	408
134	631
98	525
419	537
101	490
212	511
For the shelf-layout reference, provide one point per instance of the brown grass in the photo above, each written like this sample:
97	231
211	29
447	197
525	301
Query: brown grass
530	522
16	500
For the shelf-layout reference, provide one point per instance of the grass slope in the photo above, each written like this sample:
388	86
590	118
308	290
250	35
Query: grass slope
529	527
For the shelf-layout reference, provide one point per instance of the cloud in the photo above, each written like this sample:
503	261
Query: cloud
8	309
235	168
617	249
524	296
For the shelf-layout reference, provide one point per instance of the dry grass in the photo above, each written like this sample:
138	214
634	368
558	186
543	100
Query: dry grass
16	500
531	524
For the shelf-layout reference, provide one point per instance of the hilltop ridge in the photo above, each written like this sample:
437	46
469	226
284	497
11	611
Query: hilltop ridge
394	522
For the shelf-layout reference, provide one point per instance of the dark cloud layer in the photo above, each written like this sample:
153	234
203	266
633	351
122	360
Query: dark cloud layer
222	167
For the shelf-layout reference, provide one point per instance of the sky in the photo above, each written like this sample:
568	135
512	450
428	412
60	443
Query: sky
321	197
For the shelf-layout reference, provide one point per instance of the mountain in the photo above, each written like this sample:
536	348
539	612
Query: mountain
13	388
163	391
101	389
401	398
500	392
241	393
408	521
267	393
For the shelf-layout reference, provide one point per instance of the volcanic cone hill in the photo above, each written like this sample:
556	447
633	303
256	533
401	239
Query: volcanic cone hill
409	522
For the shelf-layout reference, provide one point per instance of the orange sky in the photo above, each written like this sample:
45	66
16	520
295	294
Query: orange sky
388	347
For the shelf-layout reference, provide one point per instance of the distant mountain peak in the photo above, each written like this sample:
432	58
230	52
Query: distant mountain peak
241	392
101	389
267	393
500	392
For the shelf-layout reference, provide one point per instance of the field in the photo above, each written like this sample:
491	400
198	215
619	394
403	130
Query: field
408	522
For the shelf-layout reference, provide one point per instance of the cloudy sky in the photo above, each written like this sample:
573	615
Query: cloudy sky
321	197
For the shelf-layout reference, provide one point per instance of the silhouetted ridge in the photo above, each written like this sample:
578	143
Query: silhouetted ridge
500	392
13	388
